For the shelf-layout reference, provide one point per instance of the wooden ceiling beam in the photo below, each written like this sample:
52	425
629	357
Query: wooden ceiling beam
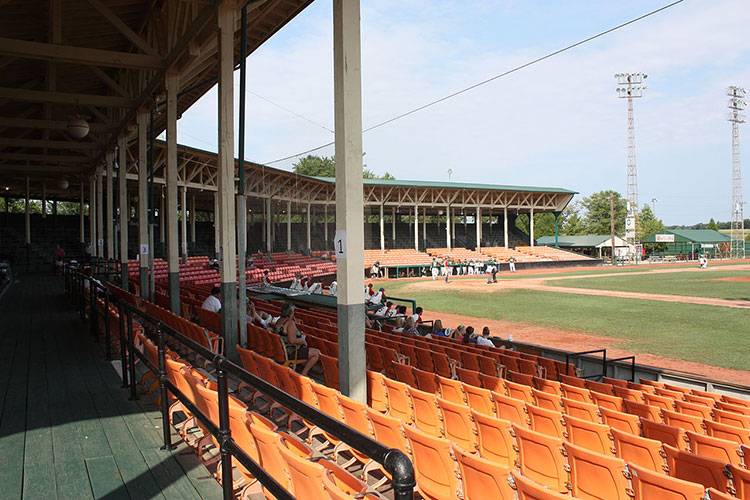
41	143
123	28
43	158
78	55
8	122
65	98
52	169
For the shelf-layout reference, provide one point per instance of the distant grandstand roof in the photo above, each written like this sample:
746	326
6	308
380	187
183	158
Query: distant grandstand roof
457	185
581	240
691	235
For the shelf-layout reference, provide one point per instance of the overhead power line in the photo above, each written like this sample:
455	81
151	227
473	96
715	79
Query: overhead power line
493	78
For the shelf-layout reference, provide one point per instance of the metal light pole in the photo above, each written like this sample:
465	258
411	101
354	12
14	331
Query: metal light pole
736	105
630	86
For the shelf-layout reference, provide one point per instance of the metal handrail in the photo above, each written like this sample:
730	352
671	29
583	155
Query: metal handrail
569	355
624	358
393	460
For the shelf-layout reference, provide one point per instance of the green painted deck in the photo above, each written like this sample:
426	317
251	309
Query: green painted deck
67	429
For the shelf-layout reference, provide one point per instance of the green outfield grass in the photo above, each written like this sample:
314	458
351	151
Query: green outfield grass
697	284
705	334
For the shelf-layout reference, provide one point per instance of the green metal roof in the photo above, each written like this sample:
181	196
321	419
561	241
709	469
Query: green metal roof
574	241
456	185
691	235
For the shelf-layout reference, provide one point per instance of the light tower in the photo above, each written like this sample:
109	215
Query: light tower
630	86
736	105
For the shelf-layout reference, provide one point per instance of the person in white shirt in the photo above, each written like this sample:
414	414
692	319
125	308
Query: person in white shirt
332	289
213	302
484	339
315	288
296	285
375	270
512	264
378	297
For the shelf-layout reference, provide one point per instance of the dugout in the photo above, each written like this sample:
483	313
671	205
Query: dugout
687	244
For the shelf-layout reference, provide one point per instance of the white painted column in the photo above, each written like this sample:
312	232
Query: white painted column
193	215
505	225
99	213
269	221
217	226
382	229
183	222
416	228
27	214
448	239
122	191
424	230
288	225
453	230
162	216
81	230
143	243
478	224
531	227
325	225
92	215
173	249
109	214
226	15
393	225
309	226
349	197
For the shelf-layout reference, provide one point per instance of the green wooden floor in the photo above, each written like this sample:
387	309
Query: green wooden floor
67	429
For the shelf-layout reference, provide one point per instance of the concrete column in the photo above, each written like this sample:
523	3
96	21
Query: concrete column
393	225
416	228
325	225
122	185
226	22
183	222
349	197
478	224
144	250
217	235
99	213
505	225
288	225
192	220
92	216
382	232
424	230
162	216
309	226
173	255
27	214
81	229
110	207
531	227
448	239
453	230
269	228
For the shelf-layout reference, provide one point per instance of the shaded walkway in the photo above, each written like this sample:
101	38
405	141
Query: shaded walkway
67	429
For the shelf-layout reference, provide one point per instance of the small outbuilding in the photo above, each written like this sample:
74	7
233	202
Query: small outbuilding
592	245
687	243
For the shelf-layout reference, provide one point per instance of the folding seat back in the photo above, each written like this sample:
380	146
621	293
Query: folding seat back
519	391
469	361
306	476
513	410
587	434
304	388
426	414
425	381
547	400
650	485
735	400
702	470
246	359
495	440
607	401
728	432
652	383
694	409
377	396
667	434
403	373
722	405
687	422
490	366
330	370
642	410
442	364
482	478
713	494
492	383
424	360
532	490
434	466
732	418
452	390
722	450
596	476
628	394
399	402
548	386
573	380
662	402
374	360
600	387
674	395
540	458
547	422
343	487
740	481
269	446
479	399
642	387
641	451
576	393
619	420
469	377
354	414
458	425
388	431
677	388
694	398
579	409
615	382
520	378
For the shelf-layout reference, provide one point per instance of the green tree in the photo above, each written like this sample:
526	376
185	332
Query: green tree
597	218
712	225
325	166
572	222
648	223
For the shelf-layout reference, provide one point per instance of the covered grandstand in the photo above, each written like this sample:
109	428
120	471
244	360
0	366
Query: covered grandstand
687	243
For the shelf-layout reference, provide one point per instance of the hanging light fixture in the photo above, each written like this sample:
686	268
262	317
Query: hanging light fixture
78	127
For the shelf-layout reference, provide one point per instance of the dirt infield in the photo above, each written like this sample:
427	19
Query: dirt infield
736	279
575	341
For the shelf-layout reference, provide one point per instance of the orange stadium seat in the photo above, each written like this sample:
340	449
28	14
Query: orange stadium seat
695	409
377	395
732	418
540	458
492	383
587	434
607	401
425	381
722	405
728	432
683	421
519	391
426	415
434	467
642	410
532	490
479	399
662	402
403	373
672	436
547	400
688	467
596	476
576	393
458	425
469	376
722	450
388	431
511	409
579	409
494	438
451	390
399	402
740	481
482	478
619	420
640	451
548	422
650	485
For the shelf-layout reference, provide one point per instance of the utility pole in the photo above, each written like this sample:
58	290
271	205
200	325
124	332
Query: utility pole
630	86
736	106
612	224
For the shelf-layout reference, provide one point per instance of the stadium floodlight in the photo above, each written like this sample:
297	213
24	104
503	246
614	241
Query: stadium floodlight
630	86
736	105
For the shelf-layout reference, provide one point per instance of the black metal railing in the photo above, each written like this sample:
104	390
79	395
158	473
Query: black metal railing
625	358
576	355
395	462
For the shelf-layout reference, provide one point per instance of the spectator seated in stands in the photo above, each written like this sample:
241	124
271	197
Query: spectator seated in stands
332	289
409	328
369	292
296	282
213	301
213	264
438	330
469	337
484	339
382	312
315	288
294	341
375	270
417	316
378	297
266	281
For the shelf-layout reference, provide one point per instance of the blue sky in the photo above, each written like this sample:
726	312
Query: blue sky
558	123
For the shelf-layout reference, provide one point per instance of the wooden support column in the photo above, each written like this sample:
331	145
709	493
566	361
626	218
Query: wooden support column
81	225
143	201
325	226
505	225
288	225
269	228
531	227
478	224
173	254
109	214
217	227
92	216
393	225
162	218
226	23
99	213
416	228
192	220
349	241
309	226
124	212
448	239
27	213
183	222
382	229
